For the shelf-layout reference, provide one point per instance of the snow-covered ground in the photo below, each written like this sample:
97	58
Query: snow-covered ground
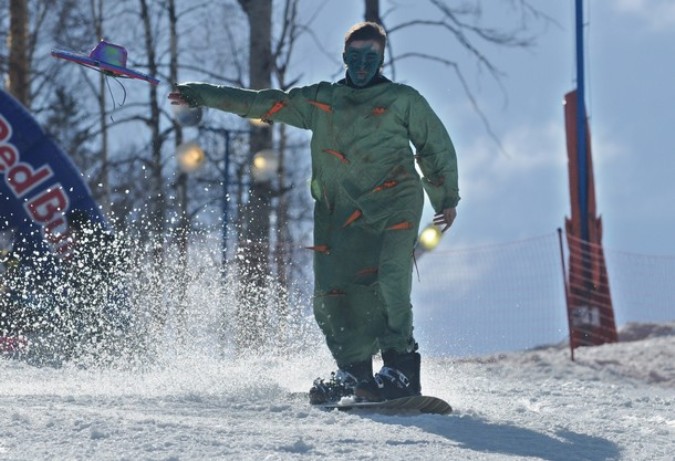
614	402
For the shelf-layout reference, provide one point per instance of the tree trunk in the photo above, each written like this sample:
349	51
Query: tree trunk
18	77
253	313
97	16
373	11
181	189
157	198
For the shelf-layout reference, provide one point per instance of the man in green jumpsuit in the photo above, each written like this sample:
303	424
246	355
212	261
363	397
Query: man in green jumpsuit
368	205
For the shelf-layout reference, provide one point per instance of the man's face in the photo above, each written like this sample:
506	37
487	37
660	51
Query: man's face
363	59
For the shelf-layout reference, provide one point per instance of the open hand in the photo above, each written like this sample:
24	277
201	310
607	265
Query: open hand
177	99
446	217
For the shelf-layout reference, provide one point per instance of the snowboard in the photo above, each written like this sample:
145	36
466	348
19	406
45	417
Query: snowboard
416	404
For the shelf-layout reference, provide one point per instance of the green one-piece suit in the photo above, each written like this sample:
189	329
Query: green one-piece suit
368	198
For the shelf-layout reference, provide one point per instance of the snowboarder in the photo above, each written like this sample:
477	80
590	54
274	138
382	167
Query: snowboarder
368	205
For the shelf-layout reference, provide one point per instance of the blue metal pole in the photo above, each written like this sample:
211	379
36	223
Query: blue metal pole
582	135
226	203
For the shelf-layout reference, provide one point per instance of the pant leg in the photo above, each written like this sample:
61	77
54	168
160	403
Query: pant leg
351	323
364	281
347	305
395	281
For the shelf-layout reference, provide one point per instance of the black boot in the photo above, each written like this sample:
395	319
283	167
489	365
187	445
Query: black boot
341	383
399	377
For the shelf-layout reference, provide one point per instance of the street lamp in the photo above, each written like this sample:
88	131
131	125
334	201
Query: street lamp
265	165
191	156
262	163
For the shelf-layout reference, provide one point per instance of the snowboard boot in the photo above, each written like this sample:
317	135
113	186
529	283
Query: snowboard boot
341	383
399	377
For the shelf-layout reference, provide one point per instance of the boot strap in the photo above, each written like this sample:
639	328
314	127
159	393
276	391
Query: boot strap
394	376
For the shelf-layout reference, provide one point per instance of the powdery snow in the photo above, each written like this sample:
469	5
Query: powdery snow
615	402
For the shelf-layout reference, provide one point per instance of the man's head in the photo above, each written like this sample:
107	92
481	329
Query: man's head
364	52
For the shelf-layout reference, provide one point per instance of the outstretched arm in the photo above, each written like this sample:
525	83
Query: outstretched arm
270	105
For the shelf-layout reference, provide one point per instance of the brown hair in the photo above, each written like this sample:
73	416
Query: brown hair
366	31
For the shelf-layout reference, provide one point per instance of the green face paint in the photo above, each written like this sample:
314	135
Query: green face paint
363	63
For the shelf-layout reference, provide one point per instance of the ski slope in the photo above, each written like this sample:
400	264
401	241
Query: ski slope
615	402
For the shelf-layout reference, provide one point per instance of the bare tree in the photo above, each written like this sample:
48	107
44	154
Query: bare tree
256	232
158	200
268	57
461	22
372	13
98	18
18	76
284	251
181	182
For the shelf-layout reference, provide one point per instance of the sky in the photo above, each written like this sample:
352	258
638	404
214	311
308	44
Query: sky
522	190
614	402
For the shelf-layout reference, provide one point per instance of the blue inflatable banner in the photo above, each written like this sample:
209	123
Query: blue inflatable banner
39	185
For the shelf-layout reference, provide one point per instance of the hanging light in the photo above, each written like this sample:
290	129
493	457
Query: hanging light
188	116
190	156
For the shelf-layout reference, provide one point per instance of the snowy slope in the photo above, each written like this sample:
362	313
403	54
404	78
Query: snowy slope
614	402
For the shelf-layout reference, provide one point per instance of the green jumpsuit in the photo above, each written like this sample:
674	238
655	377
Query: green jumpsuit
368	198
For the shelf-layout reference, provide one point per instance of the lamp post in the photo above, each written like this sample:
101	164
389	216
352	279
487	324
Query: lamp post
227	139
264	166
190	157
226	204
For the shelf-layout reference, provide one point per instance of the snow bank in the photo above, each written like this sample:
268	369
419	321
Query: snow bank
615	402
